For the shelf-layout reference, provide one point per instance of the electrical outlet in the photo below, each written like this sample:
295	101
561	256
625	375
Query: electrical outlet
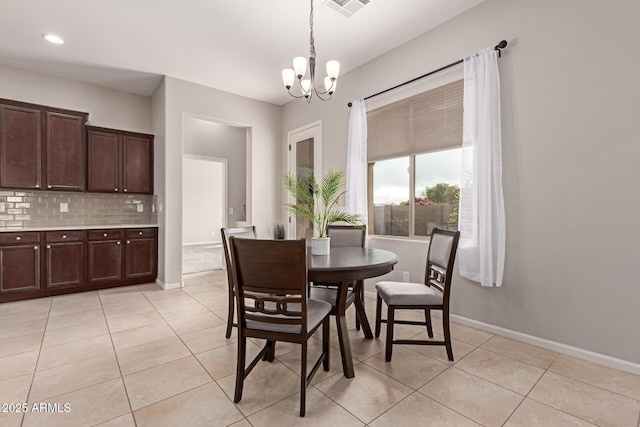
2	207
64	207
405	276
230	211
140	207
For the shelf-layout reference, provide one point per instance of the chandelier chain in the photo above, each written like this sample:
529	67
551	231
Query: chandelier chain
312	46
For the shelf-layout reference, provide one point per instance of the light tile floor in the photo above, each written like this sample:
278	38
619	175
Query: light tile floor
140	356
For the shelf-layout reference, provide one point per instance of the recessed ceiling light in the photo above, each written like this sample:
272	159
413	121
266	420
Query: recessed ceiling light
52	38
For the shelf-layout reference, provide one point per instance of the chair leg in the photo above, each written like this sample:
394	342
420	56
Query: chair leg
389	343
303	379
378	314
326	364
230	316
270	355
427	317
242	353
447	334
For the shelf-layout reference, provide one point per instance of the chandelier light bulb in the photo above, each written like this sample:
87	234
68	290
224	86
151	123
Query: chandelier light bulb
288	76
330	85
300	66
333	69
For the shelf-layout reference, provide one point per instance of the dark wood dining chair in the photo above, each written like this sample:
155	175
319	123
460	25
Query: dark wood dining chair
271	295
343	236
240	232
433	294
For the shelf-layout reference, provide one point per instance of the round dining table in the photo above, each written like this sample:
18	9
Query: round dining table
344	266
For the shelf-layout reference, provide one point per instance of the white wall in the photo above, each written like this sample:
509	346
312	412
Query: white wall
570	163
202	200
263	161
106	107
206	138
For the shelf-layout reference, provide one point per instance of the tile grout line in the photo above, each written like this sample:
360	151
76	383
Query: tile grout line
33	375
115	353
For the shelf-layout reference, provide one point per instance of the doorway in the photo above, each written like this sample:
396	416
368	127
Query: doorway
204	207
214	189
305	156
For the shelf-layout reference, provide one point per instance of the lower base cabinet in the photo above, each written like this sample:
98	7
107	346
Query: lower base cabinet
64	259
105	257
20	264
140	253
75	261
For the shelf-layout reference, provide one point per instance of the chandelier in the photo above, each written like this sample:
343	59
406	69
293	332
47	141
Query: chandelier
308	86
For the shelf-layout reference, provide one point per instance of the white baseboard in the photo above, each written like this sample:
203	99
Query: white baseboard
212	242
167	286
579	353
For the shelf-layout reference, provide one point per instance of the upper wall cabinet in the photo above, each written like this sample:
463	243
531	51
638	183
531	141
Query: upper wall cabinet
119	161
20	147
41	147
65	152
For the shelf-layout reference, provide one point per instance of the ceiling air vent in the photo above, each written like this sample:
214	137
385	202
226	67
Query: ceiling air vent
347	7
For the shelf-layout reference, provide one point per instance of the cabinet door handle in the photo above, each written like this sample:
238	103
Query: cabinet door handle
48	246
125	190
128	242
37	185
116	189
105	234
18	238
64	236
118	242
48	186
139	233
35	248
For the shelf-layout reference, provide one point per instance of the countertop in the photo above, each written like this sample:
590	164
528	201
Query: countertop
76	227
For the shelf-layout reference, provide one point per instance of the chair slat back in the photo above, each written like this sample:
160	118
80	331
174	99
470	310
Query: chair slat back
271	281
240	232
440	259
347	235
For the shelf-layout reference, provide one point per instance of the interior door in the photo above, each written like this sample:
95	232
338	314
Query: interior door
305	145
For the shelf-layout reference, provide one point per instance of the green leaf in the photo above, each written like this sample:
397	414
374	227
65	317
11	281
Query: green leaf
318	202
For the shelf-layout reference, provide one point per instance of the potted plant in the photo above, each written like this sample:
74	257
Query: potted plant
318	202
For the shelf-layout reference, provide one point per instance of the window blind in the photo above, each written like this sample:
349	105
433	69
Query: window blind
429	121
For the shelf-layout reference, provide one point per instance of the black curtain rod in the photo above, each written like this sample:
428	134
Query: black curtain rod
499	46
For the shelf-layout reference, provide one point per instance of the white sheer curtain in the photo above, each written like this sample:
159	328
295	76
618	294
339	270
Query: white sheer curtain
356	197
481	217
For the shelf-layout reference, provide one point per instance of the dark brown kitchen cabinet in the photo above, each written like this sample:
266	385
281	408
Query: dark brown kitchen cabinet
119	161
20	147
64	152
44	263
19	263
41	147
105	256
141	249
64	258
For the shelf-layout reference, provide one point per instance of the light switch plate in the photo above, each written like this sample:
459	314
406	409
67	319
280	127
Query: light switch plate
230	211
64	207
140	207
2	207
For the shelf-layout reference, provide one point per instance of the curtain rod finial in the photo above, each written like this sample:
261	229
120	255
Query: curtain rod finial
349	104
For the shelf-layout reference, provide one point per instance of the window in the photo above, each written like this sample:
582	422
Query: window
414	155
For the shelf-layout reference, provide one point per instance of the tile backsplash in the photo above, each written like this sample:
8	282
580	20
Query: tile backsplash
19	208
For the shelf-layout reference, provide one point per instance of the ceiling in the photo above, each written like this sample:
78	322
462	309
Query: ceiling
239	46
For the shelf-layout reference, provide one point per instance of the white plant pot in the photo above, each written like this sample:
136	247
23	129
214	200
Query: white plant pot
320	245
